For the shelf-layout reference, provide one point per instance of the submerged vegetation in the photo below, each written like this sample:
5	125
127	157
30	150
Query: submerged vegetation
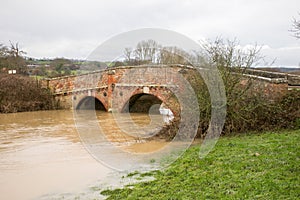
245	166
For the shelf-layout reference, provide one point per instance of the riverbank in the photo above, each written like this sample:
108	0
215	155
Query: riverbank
245	166
19	93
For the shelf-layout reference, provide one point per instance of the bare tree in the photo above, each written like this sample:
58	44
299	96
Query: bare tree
15	51
153	48
12	58
233	62
128	53
147	51
15	58
296	28
150	51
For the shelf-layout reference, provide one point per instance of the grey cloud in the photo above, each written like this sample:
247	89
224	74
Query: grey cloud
70	28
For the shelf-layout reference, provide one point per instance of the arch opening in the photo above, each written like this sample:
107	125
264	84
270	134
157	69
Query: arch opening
90	103
143	103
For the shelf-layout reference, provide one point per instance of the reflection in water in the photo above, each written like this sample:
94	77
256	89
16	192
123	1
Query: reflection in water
107	137
41	153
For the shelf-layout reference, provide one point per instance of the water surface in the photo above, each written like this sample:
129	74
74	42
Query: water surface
42	155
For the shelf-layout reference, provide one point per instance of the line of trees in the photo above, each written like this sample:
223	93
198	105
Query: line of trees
151	52
12	57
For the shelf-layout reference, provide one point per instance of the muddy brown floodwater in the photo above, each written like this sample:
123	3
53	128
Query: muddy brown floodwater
42	156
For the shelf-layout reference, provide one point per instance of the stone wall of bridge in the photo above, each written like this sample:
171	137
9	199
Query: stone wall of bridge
115	86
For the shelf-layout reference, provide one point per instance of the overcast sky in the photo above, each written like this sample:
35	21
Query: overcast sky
74	28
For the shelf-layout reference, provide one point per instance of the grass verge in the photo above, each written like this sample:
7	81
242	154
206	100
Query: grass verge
256	166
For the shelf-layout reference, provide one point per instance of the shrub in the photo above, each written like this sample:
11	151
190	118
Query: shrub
22	93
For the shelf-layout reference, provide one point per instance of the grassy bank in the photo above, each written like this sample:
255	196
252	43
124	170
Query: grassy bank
256	166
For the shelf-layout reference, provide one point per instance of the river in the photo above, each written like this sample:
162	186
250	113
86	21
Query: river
44	155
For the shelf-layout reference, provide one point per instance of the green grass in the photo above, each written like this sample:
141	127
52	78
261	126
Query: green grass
257	166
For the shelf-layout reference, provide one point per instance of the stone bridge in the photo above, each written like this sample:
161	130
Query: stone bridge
140	88
130	88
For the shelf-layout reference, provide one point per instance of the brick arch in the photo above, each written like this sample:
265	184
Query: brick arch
85	97
162	95
142	102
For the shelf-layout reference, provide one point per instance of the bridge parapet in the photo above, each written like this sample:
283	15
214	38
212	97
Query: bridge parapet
142	74
275	77
293	80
